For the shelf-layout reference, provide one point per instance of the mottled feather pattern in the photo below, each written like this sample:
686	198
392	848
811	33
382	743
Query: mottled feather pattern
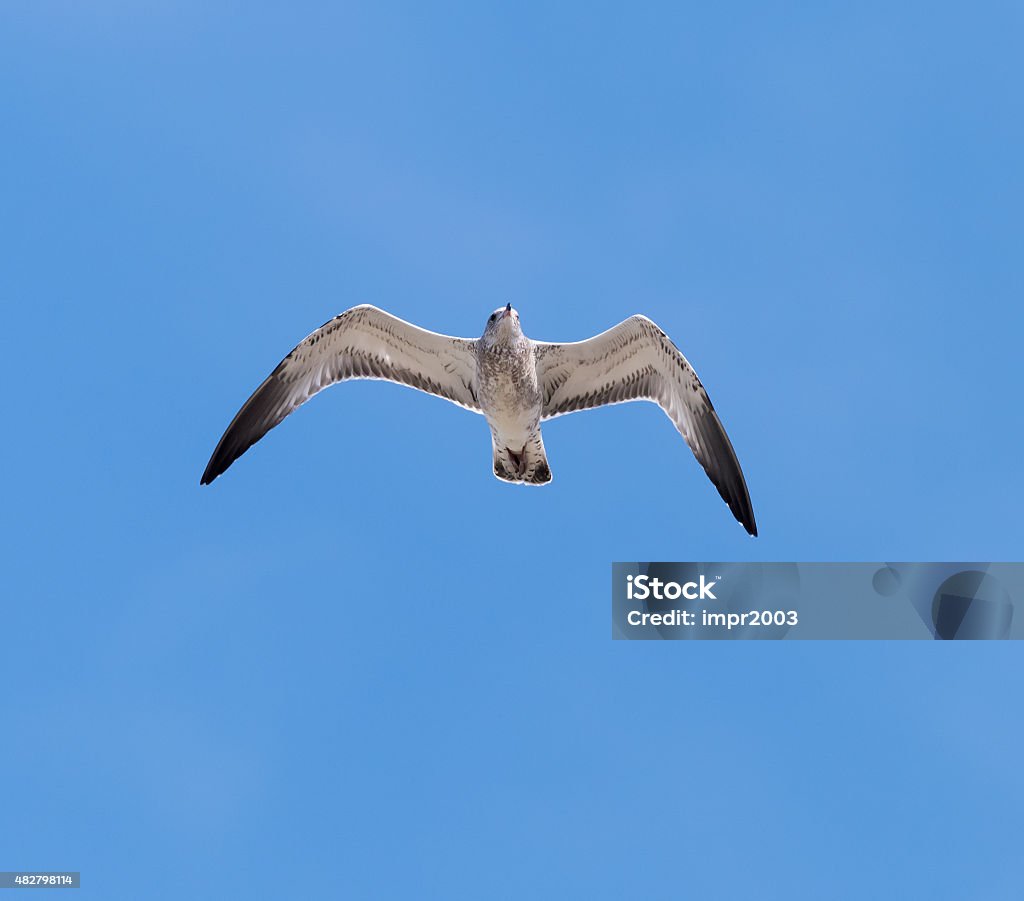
361	343
513	381
636	360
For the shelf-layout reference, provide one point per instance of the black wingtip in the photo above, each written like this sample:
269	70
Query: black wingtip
211	472
741	508
744	514
213	469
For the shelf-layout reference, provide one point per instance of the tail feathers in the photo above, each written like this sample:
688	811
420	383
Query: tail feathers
527	465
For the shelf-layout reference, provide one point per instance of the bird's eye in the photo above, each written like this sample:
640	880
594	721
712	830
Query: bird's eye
492	317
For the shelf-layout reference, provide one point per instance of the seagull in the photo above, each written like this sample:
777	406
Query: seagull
514	382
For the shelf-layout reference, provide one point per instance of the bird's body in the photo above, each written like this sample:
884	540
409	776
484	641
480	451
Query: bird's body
515	383
511	401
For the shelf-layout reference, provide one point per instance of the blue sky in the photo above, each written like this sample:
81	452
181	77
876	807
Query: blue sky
360	666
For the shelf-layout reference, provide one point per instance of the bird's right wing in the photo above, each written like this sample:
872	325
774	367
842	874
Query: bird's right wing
361	343
636	360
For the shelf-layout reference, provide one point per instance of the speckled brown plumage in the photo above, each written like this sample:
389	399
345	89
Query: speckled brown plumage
515	383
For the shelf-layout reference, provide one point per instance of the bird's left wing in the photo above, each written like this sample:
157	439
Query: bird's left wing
635	360
361	343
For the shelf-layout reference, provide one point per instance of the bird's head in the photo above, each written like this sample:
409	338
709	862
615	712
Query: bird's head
502	326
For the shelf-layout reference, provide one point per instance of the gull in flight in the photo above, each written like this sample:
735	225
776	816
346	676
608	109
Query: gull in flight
515	383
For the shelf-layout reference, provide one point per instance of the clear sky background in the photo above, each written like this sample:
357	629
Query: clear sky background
360	666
